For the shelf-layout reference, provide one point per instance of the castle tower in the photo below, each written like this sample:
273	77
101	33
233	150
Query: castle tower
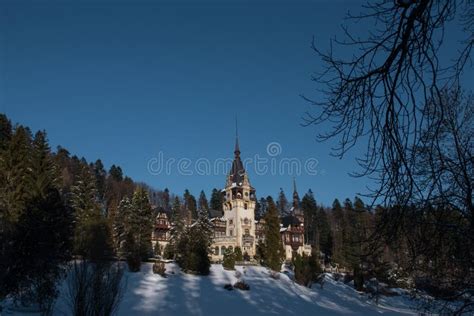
297	212
239	205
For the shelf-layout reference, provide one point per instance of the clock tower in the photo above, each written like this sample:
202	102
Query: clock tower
239	205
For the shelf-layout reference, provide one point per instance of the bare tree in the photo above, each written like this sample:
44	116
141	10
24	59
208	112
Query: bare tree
95	288
379	94
400	96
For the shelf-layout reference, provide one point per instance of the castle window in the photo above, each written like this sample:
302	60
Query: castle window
216	251
246	194
222	250
247	232
231	232
245	206
246	221
231	222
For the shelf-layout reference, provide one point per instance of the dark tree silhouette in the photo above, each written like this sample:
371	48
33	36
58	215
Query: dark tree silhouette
398	94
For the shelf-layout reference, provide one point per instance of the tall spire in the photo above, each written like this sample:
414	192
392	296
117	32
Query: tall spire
237	148
296	198
238	171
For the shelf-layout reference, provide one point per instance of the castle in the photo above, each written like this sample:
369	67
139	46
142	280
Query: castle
239	212
236	226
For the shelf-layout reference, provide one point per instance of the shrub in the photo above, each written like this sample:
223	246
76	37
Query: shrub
241	285
168	252
246	256
307	269
159	268
193	246
238	254
134	263
259	252
94	289
96	240
229	260
228	287
195	261
35	251
434	287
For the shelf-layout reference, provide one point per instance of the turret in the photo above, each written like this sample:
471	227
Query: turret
297	212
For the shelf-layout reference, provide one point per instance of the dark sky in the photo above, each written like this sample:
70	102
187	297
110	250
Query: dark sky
128	81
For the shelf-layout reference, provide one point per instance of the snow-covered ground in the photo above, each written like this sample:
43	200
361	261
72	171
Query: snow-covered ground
183	294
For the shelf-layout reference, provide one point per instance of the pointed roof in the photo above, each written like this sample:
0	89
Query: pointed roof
290	220
296	198
237	147
295	193
237	171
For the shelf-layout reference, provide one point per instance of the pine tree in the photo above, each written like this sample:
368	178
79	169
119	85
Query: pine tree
100	178
44	173
193	246
203	204
42	244
15	174
272	248
84	195
166	200
142	209
133	228
190	205
356	214
216	200
91	231
140	225
116	173
5	132
355	217
324	233
176	212
258	210
202	233
177	228
229	260
124	211
261	208
310	209
349	244
238	254
307	269
282	203
340	231
40	241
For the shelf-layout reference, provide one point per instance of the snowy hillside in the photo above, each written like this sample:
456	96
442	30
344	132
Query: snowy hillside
183	294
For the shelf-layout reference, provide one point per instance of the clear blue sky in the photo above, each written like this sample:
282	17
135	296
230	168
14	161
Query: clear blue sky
124	82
